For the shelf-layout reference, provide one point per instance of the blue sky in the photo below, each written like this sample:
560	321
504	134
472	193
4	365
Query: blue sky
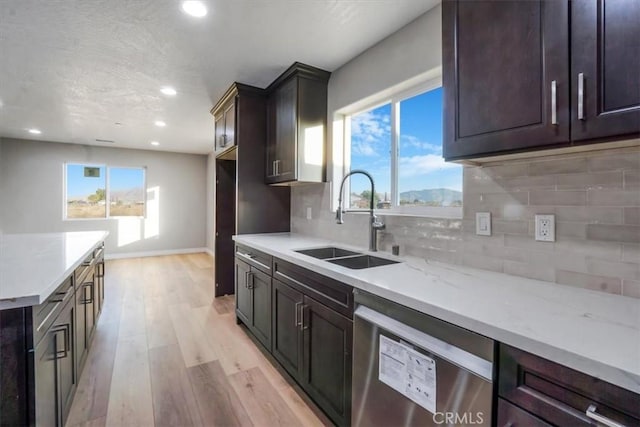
420	163
120	179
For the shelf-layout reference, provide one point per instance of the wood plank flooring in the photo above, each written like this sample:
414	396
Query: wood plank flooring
166	353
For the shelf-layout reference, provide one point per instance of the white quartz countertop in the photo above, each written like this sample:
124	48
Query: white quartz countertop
32	266
592	332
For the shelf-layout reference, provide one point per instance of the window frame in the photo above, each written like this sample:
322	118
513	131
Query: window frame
394	99
107	184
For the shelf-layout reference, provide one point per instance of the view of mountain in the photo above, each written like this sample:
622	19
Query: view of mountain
129	195
444	196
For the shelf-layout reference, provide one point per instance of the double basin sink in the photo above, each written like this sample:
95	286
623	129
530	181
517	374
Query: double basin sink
346	258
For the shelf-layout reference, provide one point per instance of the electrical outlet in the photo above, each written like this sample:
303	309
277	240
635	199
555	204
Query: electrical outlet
483	223
546	228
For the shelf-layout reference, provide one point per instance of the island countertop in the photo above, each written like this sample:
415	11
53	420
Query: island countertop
592	332
32	266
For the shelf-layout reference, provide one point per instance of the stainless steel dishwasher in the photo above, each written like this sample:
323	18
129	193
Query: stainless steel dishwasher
411	369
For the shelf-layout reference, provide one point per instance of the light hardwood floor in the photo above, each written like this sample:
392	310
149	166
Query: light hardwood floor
166	353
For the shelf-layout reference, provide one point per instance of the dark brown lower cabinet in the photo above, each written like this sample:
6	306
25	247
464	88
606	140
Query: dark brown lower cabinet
86	315
557	395
308	325
287	331
327	359
253	301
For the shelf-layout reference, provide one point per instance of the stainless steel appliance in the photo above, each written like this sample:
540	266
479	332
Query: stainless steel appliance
410	369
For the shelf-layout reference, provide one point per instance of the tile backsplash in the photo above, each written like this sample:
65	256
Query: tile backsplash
595	197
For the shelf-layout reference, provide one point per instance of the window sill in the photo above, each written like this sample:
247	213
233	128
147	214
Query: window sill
420	212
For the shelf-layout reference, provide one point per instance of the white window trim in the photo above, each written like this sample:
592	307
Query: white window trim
393	99
107	195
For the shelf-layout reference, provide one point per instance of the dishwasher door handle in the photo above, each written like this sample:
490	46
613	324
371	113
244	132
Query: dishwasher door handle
459	357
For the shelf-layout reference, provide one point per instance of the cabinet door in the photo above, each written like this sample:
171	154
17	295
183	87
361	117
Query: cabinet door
81	342
501	62
46	386
219	132
287	332
65	359
243	293
285	131
260	286
605	69
88	292
230	125
327	359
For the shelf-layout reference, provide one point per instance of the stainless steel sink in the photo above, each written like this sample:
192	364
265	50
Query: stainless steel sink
327	252
362	261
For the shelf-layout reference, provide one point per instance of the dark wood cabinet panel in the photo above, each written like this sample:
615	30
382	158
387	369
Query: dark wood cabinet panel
500	60
512	416
260	285
297	125
225	124
327	359
605	62
46	410
559	395
225	220
243	293
287	333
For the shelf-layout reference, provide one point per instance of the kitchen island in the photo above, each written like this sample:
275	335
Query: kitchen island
591	333
51	294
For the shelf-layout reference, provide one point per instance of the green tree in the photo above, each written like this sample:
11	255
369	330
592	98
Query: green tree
366	195
99	195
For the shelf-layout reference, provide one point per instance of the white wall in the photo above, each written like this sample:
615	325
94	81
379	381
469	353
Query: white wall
31	195
211	208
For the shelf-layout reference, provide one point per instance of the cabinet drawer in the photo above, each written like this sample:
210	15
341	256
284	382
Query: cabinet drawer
560	395
511	415
258	259
47	312
335	295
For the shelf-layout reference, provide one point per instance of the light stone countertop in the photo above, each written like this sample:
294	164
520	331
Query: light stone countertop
592	332
32	266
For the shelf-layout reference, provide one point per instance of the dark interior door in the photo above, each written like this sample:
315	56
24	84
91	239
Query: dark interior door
225	226
327	359
505	74
605	68
287	332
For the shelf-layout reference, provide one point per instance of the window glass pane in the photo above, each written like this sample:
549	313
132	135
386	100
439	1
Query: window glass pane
424	178
85	192
371	151
126	192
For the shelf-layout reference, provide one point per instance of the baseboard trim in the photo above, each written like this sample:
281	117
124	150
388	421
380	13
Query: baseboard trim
156	253
209	251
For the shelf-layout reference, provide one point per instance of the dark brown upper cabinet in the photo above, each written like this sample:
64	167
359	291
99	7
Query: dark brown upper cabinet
225	125
511	74
605	69
297	126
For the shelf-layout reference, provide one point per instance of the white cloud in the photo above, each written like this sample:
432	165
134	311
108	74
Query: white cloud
415	142
370	131
422	165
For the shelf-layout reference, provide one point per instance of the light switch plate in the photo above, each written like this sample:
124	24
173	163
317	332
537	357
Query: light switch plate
546	228
309	212
483	223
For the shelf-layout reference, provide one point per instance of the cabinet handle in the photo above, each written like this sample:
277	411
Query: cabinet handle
303	325
591	413
554	103
66	341
298	304
251	282
85	286
581	96
273	168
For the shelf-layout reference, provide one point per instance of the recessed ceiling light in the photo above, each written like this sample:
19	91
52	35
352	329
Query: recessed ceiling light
35	131
156	143
168	90
160	123
194	8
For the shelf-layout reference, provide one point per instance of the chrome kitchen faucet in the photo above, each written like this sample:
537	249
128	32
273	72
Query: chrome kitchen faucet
374	223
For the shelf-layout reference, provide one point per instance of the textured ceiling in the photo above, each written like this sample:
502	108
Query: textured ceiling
75	68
